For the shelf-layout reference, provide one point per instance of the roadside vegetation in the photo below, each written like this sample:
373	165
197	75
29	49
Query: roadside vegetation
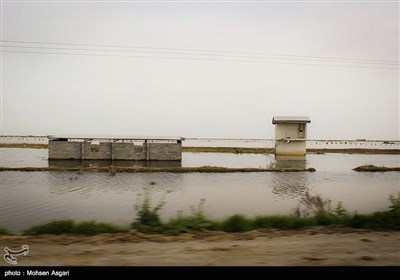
3	231
312	210
71	227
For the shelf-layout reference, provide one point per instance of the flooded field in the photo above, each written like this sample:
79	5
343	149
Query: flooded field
30	198
245	143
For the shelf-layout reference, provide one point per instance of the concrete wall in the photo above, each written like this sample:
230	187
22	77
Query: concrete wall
102	151
64	150
125	151
114	151
287	132
294	148
165	151
295	162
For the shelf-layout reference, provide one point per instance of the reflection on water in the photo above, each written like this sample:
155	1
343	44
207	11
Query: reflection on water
295	184
118	163
290	162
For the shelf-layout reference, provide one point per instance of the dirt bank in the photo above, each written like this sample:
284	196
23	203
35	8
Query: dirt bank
240	150
235	150
373	168
309	247
139	169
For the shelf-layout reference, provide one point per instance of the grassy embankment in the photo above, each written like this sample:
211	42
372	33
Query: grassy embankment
238	150
4	231
24	145
71	227
200	169
312	211
132	169
373	168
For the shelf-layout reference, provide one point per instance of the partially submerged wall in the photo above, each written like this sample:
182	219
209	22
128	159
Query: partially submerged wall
291	148
65	150
288	139
114	151
164	151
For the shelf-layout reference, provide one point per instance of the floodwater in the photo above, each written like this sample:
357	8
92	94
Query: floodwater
244	143
11	157
31	198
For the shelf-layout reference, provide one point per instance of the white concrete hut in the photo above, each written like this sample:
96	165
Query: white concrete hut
290	135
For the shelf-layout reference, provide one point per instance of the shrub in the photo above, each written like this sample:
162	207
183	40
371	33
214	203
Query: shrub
395	204
148	218
92	228
357	221
236	223
188	224
340	211
324	219
55	227
3	231
70	227
195	222
314	204
282	222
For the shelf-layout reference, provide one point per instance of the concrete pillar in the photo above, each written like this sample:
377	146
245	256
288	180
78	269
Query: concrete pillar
83	150
147	150
112	150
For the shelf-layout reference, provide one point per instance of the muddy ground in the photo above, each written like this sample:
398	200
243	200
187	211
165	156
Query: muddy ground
309	247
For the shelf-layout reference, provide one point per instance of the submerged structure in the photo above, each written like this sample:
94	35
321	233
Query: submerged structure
290	135
115	148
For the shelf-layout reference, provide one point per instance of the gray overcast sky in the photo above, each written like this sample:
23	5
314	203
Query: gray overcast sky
134	93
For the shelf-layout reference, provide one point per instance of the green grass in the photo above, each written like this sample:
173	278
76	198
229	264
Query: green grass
71	227
384	220
377	220
282	222
240	223
183	224
3	231
236	223
387	220
312	211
